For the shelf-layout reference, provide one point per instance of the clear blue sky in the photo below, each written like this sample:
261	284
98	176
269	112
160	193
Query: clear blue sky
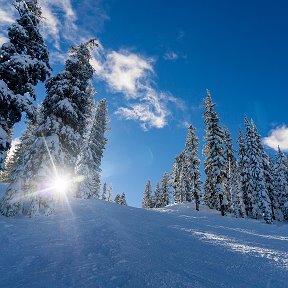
237	49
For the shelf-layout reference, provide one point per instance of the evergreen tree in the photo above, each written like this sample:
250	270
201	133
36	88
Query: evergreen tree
104	193
281	183
54	152
191	167
90	160
123	199
117	199
178	178
165	190
270	184
157	197
95	186
23	62
214	163
234	187
260	202
110	196
147	198
120	199
244	190
16	161
230	165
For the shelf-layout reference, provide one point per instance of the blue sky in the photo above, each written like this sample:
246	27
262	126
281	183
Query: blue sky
155	63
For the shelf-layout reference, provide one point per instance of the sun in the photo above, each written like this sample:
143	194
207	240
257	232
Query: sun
61	184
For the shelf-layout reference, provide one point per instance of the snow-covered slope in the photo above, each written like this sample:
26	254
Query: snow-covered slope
101	244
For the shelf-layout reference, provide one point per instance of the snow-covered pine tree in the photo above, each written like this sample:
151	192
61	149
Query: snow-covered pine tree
104	192
191	167
174	179
147	201
53	154
281	183
90	160
177	178
165	189
230	164
117	199
157	197
120	199
110	196
96	186
17	160
214	163
24	61
123	199
261	204
245	187
238	207
85	162
270	184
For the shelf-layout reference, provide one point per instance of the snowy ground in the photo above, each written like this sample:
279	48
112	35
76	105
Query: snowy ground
100	244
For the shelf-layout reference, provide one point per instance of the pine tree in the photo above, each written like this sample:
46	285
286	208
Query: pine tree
234	189
91	157
191	167
244	190
270	184
110	196
16	161
147	198
123	199
178	179
157	197
165	189
54	152
229	166
23	62
214	163
104	192
117	199
95	186
120	199
281	183
260	201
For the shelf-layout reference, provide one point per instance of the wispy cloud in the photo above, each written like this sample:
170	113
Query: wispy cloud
181	35
171	56
7	15
58	20
133	75
278	137
126	72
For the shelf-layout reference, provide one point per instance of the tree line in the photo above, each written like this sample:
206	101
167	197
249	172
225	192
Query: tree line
249	184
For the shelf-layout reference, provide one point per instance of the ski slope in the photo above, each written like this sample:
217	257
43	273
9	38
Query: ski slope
92	243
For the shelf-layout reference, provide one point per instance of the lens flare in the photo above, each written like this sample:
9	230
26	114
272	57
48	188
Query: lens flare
61	184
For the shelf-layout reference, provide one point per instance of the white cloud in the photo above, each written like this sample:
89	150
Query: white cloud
132	75
278	137
124	72
57	57
6	13
58	20
151	110
171	56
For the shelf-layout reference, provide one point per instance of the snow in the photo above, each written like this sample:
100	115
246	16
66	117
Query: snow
94	243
